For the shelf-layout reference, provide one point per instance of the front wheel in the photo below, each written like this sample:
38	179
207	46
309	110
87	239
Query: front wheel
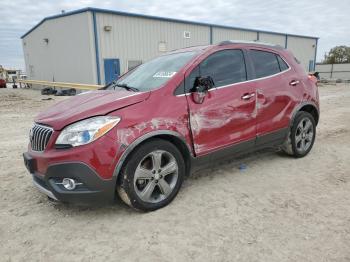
152	175
302	135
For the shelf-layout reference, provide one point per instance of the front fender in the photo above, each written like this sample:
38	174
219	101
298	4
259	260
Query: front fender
142	139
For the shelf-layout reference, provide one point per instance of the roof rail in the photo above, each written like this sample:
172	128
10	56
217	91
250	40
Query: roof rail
255	42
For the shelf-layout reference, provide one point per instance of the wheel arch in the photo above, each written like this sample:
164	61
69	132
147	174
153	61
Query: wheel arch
309	107
171	136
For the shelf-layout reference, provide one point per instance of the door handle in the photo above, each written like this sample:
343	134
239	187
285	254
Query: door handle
294	82
248	96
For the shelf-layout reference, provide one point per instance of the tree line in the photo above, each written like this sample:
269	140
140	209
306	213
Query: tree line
337	55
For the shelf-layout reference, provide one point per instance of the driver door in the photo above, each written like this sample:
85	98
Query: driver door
227	116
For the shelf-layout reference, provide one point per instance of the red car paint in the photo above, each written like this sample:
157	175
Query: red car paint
223	119
2	83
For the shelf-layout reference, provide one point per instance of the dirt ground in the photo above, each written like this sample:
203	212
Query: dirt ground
277	209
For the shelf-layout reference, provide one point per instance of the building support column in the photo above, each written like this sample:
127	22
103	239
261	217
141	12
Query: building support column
97	52
315	54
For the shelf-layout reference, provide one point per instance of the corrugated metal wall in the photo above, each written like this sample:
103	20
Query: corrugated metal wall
335	71
134	38
222	34
273	39
68	56
303	49
137	38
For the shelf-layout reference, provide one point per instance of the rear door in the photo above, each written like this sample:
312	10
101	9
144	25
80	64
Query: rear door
227	115
276	95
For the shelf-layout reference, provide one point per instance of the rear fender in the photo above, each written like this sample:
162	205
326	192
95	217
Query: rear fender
300	107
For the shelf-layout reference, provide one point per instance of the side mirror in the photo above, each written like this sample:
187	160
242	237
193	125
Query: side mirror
201	87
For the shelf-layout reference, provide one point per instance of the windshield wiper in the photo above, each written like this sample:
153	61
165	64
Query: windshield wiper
127	87
108	85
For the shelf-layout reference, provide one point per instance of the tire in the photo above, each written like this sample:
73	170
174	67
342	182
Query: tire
152	175
302	135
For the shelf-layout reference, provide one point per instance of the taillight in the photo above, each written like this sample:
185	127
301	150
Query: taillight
313	78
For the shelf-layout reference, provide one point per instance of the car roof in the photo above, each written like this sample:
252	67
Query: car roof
250	43
230	42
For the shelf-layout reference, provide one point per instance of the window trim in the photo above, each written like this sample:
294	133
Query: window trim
247	81
246	64
223	50
283	61
250	50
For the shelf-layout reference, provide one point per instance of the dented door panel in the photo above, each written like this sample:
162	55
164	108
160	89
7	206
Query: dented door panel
276	101
224	118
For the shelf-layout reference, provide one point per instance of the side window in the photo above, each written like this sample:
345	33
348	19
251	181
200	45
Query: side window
225	67
265	63
283	65
189	81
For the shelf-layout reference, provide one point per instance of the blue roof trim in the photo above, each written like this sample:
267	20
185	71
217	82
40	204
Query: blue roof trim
97	52
98	10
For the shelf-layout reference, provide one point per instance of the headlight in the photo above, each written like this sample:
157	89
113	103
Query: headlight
86	131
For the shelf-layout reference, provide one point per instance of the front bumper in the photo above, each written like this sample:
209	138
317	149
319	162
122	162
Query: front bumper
94	189
43	190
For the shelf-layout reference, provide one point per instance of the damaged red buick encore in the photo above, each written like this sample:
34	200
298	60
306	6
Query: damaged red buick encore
140	136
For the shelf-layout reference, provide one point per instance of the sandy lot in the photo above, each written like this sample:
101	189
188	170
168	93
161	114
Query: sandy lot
278	209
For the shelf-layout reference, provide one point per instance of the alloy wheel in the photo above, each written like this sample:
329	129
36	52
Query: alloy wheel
156	176
304	135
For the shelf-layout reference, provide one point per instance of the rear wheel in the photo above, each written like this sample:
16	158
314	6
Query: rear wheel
302	135
152	175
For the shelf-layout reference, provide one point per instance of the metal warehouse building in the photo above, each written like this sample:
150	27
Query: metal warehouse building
93	46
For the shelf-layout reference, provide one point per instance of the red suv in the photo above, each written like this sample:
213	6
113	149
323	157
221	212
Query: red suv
2	83
144	133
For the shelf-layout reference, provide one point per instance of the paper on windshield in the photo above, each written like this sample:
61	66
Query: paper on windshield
164	74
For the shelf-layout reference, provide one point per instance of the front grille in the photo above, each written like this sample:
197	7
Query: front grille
39	137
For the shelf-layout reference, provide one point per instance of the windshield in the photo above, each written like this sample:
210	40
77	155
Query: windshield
154	73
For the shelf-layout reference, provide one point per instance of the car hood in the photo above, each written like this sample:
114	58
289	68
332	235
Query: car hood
86	105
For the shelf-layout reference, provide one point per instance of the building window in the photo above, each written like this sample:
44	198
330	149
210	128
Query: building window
133	63
162	47
187	34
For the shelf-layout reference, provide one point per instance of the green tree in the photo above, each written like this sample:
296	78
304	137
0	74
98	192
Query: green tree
337	55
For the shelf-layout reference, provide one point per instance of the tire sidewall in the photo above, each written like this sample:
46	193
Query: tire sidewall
128	173
301	115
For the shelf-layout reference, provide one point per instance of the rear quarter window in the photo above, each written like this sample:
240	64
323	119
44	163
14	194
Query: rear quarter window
283	65
264	63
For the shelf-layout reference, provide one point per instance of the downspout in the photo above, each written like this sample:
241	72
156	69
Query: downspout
286	42
211	35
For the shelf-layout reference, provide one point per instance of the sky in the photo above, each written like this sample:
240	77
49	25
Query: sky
328	20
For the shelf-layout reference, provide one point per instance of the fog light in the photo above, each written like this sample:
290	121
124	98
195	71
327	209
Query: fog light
69	183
